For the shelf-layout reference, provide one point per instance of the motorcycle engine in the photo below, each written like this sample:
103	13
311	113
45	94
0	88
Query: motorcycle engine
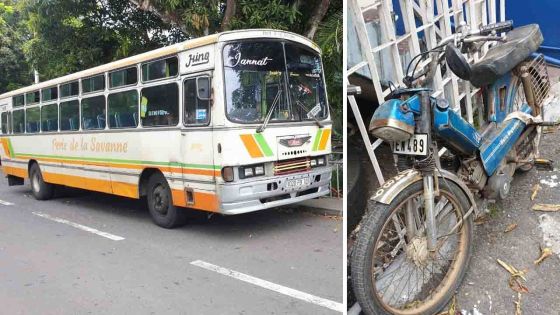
472	173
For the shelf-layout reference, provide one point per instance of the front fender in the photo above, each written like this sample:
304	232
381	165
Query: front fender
392	187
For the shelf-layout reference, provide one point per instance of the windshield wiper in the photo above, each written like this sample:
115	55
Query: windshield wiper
262	127
307	112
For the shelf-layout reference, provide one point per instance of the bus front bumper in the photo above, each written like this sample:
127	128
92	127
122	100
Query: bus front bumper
237	198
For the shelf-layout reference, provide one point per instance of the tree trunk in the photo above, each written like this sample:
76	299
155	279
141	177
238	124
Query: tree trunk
231	7
316	17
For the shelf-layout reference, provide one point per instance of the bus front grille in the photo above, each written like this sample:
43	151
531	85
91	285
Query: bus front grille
292	166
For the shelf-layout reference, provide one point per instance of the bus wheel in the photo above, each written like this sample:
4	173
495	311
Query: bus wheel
160	204
41	190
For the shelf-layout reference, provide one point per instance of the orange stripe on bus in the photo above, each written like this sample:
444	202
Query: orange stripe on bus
202	201
15	171
324	139
6	147
78	182
251	146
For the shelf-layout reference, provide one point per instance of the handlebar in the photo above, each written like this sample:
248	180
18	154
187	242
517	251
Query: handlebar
500	27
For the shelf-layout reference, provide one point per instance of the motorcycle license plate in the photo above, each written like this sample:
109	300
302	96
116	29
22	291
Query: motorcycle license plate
297	183
416	145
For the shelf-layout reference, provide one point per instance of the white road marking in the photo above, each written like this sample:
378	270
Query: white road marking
79	226
6	203
339	307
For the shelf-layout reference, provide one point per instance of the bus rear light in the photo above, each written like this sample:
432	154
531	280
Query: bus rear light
227	174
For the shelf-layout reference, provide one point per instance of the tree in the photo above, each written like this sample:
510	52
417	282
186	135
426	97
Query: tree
71	35
15	73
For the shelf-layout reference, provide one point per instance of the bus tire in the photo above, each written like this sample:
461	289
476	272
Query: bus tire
160	203
40	189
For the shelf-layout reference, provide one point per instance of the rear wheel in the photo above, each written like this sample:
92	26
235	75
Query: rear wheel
391	268
160	204
40	189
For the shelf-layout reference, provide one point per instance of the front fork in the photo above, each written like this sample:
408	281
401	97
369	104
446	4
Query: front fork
427	167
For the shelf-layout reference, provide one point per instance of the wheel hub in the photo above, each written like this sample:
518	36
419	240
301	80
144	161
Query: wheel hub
160	201
417	251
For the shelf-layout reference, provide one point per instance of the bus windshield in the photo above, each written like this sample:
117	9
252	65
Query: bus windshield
259	74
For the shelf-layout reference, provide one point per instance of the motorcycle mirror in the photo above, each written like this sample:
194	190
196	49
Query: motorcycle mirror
457	62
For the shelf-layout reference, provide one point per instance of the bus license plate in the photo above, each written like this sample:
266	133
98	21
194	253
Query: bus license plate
416	145
297	183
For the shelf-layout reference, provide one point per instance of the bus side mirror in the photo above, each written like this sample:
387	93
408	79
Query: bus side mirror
203	88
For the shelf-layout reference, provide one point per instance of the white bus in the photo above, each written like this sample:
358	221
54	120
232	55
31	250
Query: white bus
228	123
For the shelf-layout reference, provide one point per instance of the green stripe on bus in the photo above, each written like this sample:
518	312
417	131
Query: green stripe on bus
317	139
10	148
262	143
121	161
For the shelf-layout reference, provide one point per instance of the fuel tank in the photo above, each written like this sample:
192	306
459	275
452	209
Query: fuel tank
454	130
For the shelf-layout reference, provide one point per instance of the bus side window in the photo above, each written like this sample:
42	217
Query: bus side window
69	116
49	117
160	105
4	119
123	109
19	121
197	111
93	113
33	120
9	122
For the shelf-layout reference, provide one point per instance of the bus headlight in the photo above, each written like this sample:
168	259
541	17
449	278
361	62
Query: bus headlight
251	171
227	174
318	161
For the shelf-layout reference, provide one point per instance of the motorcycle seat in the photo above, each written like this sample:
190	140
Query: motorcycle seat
520	43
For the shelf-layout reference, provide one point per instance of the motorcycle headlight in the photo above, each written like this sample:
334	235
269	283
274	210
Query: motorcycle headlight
391	133
391	122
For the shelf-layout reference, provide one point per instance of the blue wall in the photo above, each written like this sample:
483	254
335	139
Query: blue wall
546	13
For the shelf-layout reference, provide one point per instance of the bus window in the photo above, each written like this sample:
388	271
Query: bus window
4	119
69	116
123	109
160	69
69	89
18	100
93	113
49	94
32	98
197	111
49	118
93	84
123	77
159	105
33	120
19	121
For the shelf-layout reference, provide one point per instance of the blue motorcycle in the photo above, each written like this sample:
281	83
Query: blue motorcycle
414	243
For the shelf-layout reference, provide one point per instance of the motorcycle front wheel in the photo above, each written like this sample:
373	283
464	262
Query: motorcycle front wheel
392	270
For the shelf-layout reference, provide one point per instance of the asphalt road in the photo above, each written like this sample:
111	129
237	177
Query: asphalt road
280	261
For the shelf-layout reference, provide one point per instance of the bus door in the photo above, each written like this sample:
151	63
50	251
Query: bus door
196	137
